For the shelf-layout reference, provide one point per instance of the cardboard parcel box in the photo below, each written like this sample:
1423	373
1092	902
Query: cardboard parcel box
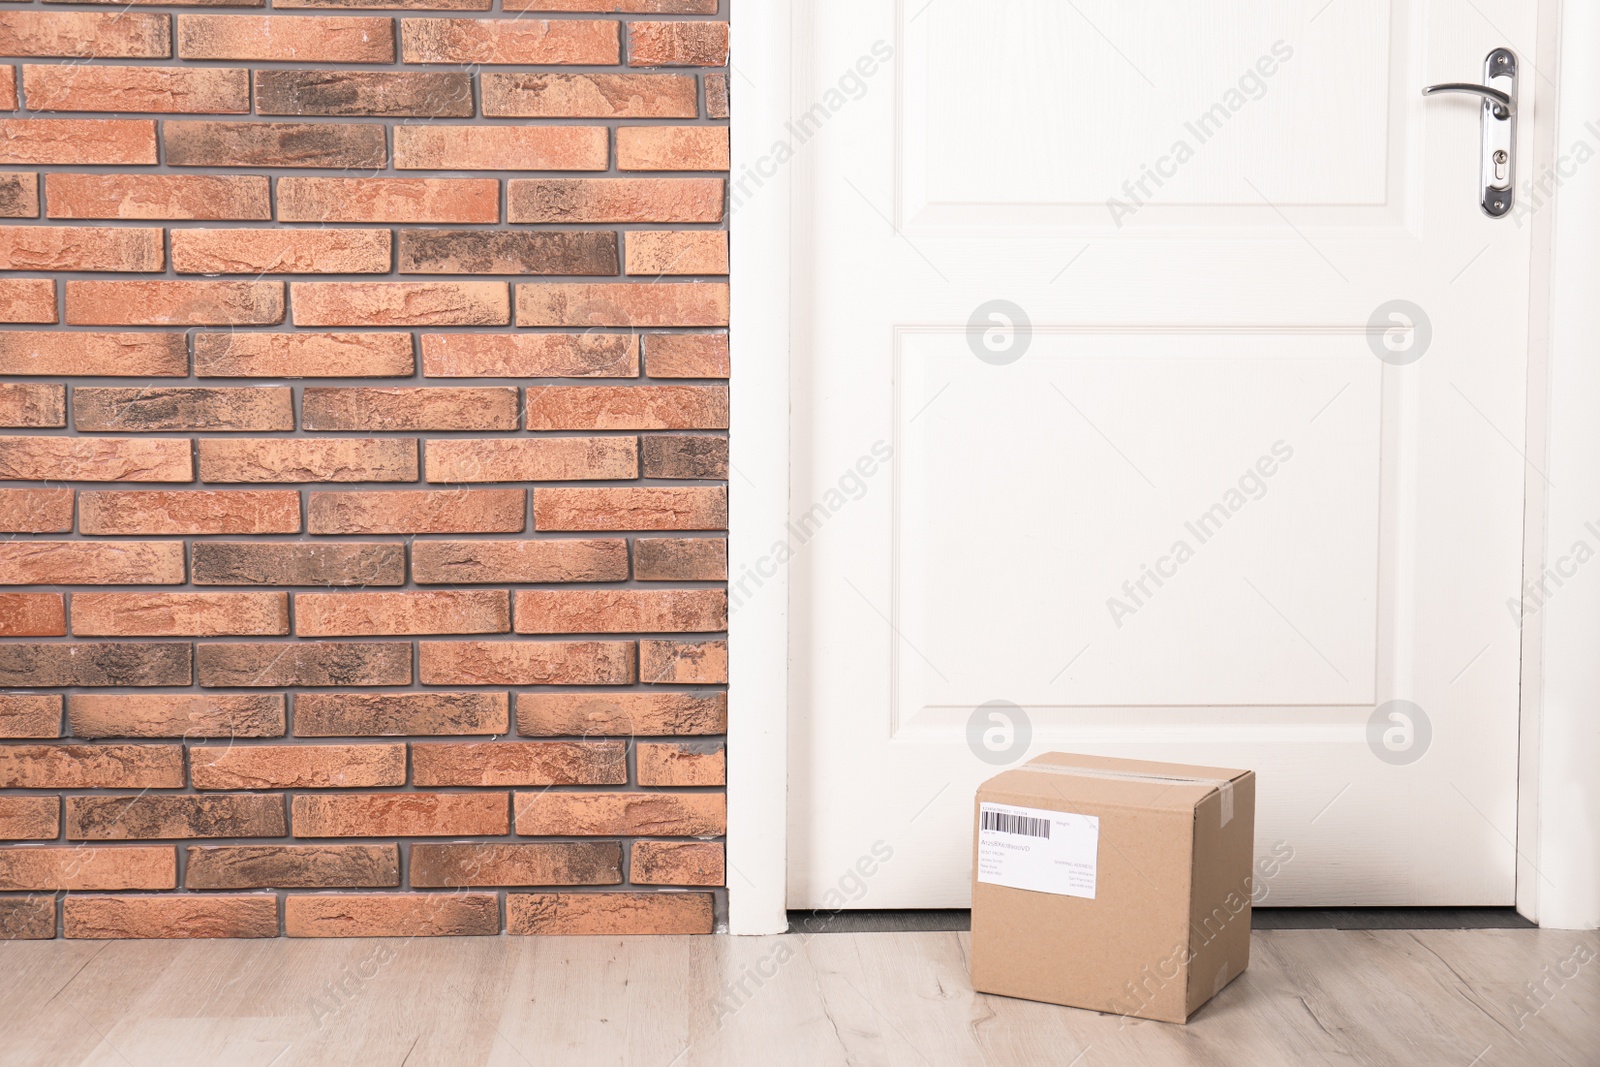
1115	885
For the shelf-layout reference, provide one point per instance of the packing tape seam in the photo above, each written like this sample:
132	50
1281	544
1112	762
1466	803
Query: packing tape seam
1223	786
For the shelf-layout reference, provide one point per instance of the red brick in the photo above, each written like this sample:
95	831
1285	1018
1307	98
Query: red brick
286	39
30	715
663	764
157	196
677	863
576	252
415	94
291	866
32	615
546	459
303	355
30	818
683	662
530	355
388	200
677	44
419	511
400	714
676	252
631	508
638	7
589	96
400	815
716	96
130	410
608	914
291	563
174	303
188	915
614	200
163	90
94	459
195	511
149	816
35	510
78	142
389	410
297	766
453	611
647	407
179	614
680	559
81	248
672	147
541	863
501	148
477	562
527	663
606	611
309	663
280	251
91	766
19	195
400	304
493	41
470	763
627	304
545	814
274	144
686	456
85	34
188	715
297	460
8	88
29	918
78	867
91	562
621	714
390	5
97	663
27	300
392	915
686	355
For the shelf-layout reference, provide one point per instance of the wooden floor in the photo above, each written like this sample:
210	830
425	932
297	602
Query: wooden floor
1453	998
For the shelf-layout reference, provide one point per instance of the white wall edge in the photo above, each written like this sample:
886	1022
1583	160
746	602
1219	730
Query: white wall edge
1561	864
758	626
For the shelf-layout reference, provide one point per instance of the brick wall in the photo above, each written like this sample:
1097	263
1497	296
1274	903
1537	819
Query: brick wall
363	466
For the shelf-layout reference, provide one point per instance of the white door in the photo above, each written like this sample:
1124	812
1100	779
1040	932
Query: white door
1160	393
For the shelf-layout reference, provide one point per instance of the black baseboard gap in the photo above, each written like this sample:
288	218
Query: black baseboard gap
929	919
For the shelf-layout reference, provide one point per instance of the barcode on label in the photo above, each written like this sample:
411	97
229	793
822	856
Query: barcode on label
1007	823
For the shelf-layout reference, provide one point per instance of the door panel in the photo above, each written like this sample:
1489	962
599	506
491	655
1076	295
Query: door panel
1194	364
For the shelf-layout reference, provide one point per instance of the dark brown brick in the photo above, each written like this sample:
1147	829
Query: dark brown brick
412	94
399	409
716	96
144	410
473	763
685	457
29	918
150	816
248	563
95	663
543	863
680	559
188	715
292	866
677	863
400	714
304	663
19	195
274	144
506	252
621	714
492	562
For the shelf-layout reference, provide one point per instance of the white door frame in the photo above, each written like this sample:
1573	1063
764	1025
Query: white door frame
1558	881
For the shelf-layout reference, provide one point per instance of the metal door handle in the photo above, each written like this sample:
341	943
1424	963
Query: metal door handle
1504	105
1497	128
